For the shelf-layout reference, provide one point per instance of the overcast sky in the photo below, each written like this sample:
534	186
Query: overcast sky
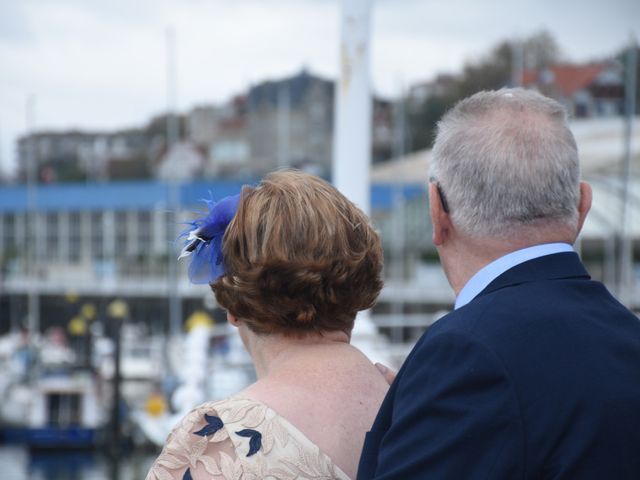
100	64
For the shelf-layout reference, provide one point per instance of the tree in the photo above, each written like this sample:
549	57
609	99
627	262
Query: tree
422	122
541	50
492	71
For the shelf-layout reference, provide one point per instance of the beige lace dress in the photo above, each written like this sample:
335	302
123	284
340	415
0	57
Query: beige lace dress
240	439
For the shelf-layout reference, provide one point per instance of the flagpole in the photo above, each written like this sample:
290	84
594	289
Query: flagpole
352	126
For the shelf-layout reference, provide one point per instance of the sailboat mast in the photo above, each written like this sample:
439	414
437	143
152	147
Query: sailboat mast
175	303
626	250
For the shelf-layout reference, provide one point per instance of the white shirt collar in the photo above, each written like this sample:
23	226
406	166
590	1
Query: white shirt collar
493	270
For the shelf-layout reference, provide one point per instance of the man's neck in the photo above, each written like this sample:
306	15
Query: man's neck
465	255
486	275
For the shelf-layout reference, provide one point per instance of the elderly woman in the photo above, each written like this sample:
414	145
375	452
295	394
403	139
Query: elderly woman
296	263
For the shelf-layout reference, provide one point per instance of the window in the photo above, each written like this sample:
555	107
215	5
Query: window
52	236
75	236
64	409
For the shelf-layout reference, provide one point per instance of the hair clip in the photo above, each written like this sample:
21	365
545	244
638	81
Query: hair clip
204	240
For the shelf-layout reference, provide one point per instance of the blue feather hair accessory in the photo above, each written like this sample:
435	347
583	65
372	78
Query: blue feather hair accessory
204	240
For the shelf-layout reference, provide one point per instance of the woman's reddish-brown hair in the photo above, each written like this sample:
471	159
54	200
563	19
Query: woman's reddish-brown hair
299	257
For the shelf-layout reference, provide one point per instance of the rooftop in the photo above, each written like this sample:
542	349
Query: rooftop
568	78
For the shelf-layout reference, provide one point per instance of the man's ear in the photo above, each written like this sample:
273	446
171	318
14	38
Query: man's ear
440	219
584	205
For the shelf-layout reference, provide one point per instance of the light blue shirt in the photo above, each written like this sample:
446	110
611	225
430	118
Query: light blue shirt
493	270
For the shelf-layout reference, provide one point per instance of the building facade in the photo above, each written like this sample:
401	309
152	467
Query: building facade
290	123
108	240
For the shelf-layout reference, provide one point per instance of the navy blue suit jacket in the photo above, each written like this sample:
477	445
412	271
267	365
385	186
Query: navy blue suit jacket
538	377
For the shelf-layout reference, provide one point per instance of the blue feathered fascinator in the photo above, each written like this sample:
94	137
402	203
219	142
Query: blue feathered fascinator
204	240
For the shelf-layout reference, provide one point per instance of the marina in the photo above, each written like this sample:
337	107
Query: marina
105	345
19	463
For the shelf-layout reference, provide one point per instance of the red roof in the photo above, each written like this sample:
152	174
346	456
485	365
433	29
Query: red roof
567	78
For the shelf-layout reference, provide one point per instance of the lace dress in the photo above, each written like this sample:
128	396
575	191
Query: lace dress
240	439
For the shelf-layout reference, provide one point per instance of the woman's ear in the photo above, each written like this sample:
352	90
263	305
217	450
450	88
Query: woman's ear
233	320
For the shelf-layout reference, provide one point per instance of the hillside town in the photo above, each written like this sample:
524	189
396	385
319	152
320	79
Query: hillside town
106	340
288	122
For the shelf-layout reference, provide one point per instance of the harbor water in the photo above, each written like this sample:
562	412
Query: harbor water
19	463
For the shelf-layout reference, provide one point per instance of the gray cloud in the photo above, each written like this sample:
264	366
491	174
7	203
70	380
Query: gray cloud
100	64
14	24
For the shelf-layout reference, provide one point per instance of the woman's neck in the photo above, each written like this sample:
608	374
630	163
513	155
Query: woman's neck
275	352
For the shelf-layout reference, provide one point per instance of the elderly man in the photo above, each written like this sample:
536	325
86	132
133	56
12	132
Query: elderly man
536	373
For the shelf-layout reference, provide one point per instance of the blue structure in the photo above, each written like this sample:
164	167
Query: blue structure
145	195
118	239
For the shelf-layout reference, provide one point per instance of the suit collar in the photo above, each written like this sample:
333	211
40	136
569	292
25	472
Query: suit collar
548	267
487	274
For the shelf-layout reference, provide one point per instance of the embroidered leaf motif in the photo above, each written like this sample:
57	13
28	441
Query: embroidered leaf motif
282	474
280	433
197	449
310	464
283	453
238	413
268	438
213	425
160	474
170	461
230	470
255	441
180	445
210	465
256	468
254	417
220	436
191	420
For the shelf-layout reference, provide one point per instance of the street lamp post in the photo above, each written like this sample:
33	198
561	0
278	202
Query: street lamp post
118	312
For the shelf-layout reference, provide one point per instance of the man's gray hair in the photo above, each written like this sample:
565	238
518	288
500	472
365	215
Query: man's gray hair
504	159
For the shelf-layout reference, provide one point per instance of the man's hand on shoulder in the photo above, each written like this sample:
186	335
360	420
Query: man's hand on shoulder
388	373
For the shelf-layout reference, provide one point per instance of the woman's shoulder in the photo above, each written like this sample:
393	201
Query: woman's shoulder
238	436
331	400
197	447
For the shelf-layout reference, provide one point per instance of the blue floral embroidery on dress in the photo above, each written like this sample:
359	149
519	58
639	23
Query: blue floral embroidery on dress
256	439
213	425
187	475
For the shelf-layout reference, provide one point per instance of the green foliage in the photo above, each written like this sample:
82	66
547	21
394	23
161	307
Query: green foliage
157	127
133	167
423	121
65	169
491	71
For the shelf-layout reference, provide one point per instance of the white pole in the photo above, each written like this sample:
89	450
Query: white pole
398	239
352	126
626	250
352	136
32	230
175	301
